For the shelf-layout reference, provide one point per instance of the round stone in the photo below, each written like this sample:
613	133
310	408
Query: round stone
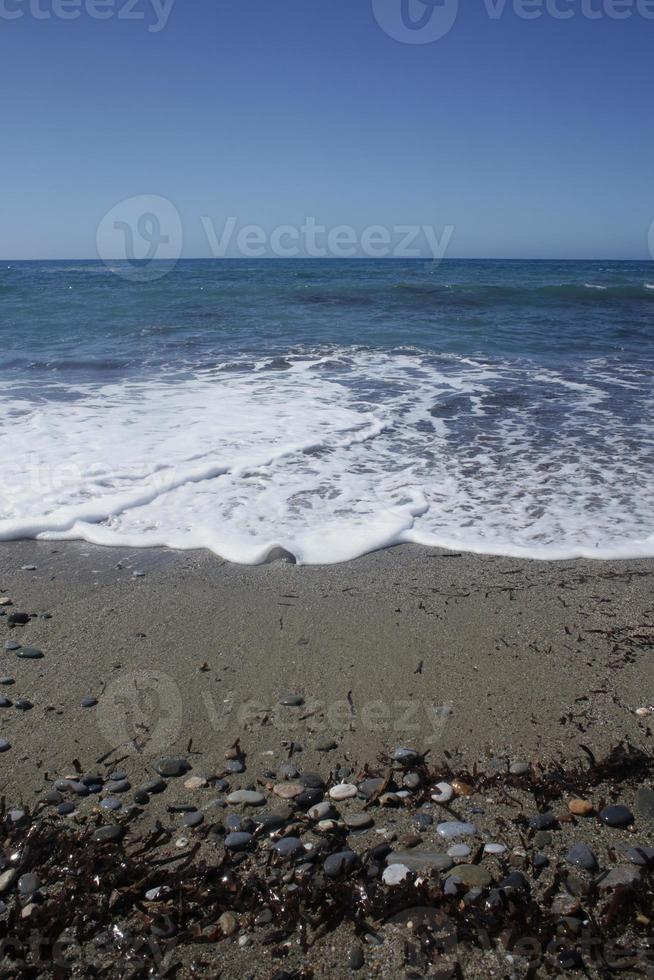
4	745
238	841
580	808
459	851
18	619
11	645
193	819
359	821
111	803
5	702
581	856
470	875
406	756
312	780
171	767
287	791
617	816
343	791
154	786
519	768
7	681
292	701
543	821
28	884
289	847
370	787
339	865
235	766
110	834
494	848
444	793
88	702
321	811
395	874
244	797
30	653
456	828
22	704
326	745
417	860
65	808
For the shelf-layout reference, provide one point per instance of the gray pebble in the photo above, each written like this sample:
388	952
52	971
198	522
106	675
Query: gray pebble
581	856
28	884
456	828
171	767
29	653
193	819
5	702
357	959
406	756
619	876
238	841
289	847
543	821
88	703
11	645
7	681
65	808
616	816
111	803
339	865
519	768
292	701
4	745
111	833
118	786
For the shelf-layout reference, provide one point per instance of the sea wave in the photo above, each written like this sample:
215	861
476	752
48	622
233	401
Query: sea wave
337	452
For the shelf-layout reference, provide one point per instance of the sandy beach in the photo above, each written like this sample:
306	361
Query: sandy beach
473	655
494	668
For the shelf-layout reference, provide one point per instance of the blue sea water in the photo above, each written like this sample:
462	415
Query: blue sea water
330	408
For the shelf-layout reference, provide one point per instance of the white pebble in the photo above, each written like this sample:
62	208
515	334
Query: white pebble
494	849
445	793
395	874
344	791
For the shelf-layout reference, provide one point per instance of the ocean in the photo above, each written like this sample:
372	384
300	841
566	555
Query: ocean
330	408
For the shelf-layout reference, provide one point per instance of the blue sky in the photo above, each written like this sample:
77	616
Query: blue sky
531	137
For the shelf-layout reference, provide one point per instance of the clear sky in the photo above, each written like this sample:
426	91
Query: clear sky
531	137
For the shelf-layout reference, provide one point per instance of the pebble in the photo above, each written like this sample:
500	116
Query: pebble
11	645
29	653
471	875
412	780
111	803
321	811
7	681
395	874
18	619
406	756
369	787
616	816
581	856
461	788
22	704
118	786
312	780
111	833
580	808
619	876
235	766
287	791
339	865
193	819
494	849
640	855
64	809
289	847
543	821
292	701
4	745
244	797
5	600
359	821
228	924
343	791
356	960
459	851
28	568
28	884
289	771
88	702
141	797
519	768
155	785
541	861
420	860
422	820
238	841
170	767
444	794
5	702
456	828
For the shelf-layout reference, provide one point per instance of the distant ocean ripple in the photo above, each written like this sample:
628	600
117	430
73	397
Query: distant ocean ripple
330	408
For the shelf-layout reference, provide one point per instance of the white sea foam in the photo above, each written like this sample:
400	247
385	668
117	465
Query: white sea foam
337	455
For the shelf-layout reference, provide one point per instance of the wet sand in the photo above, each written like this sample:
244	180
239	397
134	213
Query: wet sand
469	655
